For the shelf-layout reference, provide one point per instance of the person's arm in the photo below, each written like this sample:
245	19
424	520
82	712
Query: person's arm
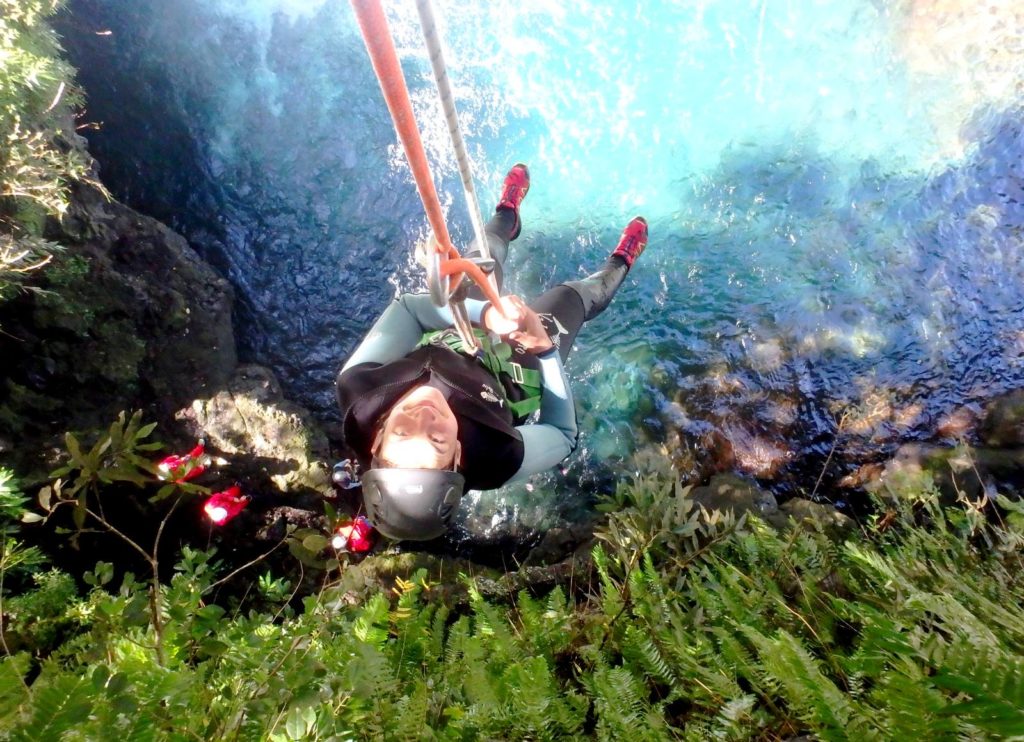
401	326
554	436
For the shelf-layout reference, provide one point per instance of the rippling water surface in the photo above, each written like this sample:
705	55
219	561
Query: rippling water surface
834	192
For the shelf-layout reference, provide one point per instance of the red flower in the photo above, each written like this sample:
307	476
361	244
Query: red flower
223	506
183	468
356	536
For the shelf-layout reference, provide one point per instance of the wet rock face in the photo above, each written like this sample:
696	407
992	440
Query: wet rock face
128	316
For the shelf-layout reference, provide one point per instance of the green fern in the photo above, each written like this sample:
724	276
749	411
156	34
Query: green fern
60	702
906	707
372	625
991	684
14	692
804	687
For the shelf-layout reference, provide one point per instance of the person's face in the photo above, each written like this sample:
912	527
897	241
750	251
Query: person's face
420	432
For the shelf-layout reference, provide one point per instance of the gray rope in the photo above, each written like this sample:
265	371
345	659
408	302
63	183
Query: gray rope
444	89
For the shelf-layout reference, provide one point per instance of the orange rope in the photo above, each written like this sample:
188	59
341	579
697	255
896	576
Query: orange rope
379	44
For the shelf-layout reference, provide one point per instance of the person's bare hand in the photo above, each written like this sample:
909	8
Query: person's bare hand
504	325
520	324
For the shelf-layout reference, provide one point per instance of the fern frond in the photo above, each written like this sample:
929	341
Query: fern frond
436	646
60	704
906	708
640	649
738	719
410	720
807	690
13	690
372	625
993	682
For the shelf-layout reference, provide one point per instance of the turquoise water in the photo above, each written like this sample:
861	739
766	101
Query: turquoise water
833	188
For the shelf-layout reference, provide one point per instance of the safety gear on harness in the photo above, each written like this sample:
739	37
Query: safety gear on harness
496	357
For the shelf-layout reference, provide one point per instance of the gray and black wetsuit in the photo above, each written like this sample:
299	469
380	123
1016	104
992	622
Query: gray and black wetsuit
498	447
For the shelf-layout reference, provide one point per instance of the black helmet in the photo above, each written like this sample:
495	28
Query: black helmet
411	504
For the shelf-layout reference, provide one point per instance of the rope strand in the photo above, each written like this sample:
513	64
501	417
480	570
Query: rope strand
432	38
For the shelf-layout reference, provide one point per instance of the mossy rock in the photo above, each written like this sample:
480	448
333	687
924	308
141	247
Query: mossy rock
800	510
732	492
269	443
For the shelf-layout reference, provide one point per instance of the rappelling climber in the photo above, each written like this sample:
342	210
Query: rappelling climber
426	420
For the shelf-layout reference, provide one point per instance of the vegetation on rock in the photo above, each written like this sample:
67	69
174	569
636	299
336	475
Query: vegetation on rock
687	624
37	162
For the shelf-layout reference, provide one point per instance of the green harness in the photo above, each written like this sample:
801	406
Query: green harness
496	358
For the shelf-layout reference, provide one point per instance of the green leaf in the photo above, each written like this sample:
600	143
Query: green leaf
164	492
299	723
100	676
98	450
78	514
45	495
211	647
315	543
73	448
145	431
304	555
117	684
27	517
13	691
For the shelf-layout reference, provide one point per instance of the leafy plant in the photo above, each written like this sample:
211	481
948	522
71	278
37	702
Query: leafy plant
912	629
116	458
37	162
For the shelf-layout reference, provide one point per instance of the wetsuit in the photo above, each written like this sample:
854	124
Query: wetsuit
498	447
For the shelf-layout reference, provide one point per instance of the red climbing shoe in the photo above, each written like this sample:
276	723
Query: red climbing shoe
517	184
633	241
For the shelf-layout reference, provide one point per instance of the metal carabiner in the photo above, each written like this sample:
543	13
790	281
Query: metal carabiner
441	294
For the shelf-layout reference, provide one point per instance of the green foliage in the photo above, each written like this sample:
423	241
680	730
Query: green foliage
37	618
113	458
15	558
37	94
693	628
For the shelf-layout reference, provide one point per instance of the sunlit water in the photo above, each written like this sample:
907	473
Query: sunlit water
833	189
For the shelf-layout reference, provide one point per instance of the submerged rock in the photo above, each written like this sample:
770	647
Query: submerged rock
955	472
800	510
731	492
1003	423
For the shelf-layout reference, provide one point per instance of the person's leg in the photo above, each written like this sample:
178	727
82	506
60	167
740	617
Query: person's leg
565	308
562	311
505	225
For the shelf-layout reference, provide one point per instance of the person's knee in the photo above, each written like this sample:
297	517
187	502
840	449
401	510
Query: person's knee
596	292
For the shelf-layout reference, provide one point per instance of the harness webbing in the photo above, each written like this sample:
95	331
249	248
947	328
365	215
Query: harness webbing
496	358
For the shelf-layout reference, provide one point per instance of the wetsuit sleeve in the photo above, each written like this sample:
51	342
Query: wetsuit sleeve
554	436
400	328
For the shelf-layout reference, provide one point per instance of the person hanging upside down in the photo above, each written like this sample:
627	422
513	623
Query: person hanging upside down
427	421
